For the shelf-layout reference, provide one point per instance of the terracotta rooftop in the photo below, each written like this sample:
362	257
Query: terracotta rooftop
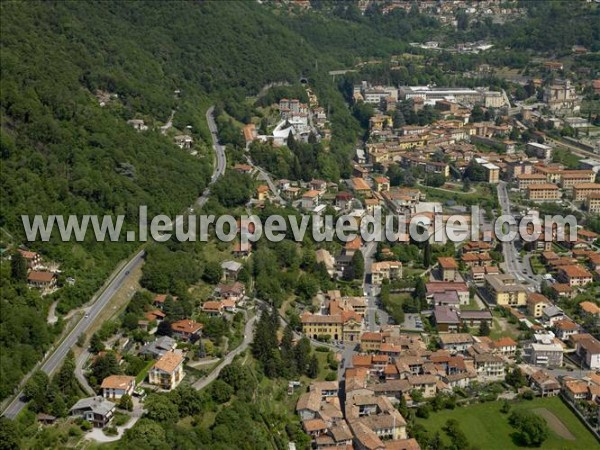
169	362
117	382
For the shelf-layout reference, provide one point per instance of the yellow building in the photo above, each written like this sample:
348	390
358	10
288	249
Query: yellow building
505	290
544	192
536	303
345	326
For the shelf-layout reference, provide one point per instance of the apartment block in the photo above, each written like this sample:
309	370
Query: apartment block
544	192
593	203
582	191
506	290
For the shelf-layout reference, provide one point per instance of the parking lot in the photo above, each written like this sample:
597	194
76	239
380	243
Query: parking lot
412	322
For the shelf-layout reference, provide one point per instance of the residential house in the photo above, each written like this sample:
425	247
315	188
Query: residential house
544	383
390	270
565	328
589	309
310	199
575	390
137	124
382	184
159	347
474	319
184	141
243	168
448	267
552	314
426	384
505	346
96	410
574	275
186	330
536	303
41	280
212	308
562	290
489	367
589	351
160	299
116	386
235	291
231	270
461	289
155	316
33	259
262	192
167	372
456	342
446	319
360	187
343	200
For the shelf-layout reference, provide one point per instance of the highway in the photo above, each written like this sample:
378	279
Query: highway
56	358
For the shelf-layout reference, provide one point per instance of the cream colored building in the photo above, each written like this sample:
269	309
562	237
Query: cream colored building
593	203
582	191
527	179
390	270
167	372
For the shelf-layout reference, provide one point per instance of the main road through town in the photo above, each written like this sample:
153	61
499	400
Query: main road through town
511	256
56	358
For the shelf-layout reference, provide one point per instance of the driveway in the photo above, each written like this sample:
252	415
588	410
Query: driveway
98	435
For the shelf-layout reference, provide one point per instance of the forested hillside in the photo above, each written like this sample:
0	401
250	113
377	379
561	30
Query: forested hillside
63	153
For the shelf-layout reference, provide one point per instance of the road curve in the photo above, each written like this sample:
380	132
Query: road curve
248	339
58	355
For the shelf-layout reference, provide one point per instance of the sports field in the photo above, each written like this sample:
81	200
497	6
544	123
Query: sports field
487	428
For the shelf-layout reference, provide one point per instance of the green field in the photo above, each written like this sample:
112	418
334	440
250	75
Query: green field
487	428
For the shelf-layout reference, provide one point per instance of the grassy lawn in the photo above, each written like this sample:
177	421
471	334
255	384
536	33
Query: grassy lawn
142	375
472	306
504	328
537	266
487	428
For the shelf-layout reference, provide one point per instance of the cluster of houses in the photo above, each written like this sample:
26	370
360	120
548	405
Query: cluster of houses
167	372
296	118
365	421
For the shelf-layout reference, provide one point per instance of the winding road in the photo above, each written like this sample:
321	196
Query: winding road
56	358
248	338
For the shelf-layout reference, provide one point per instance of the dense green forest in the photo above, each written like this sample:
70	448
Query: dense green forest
62	153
